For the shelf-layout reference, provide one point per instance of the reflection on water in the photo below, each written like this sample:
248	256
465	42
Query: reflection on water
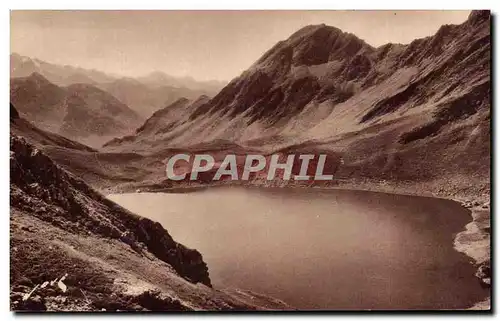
323	249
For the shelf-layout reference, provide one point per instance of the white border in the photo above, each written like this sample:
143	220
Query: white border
199	4
254	5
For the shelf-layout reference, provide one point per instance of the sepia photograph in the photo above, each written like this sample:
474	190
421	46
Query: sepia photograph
250	160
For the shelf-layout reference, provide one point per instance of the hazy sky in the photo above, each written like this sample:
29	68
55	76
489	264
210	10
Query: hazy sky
202	44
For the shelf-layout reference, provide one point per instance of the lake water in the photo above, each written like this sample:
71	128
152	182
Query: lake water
319	249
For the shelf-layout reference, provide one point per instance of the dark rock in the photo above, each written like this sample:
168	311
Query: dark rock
13	112
34	303
478	16
24	284
37	177
484	273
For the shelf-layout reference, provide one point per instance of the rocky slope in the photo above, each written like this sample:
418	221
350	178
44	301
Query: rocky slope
40	138
412	119
72	249
85	162
82	112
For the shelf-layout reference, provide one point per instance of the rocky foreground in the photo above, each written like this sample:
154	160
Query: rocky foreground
74	250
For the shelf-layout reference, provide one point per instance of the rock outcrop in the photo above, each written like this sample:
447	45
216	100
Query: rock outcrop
72	249
40	187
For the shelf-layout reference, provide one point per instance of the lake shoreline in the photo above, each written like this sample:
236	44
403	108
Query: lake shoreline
473	241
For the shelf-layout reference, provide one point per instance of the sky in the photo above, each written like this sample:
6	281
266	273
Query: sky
205	45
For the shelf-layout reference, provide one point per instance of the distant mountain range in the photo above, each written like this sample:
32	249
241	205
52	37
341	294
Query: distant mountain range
89	105
144	94
80	111
148	98
23	66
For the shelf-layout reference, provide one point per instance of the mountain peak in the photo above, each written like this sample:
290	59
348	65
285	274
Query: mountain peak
38	78
315	45
477	16
311	29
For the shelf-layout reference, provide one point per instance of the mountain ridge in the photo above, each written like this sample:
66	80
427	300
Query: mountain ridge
145	94
79	111
380	108
261	92
94	76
